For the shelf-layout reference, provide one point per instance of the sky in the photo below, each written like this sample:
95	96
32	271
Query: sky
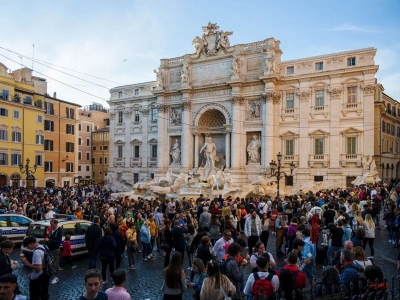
122	42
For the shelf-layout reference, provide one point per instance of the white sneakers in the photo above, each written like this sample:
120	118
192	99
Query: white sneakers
55	280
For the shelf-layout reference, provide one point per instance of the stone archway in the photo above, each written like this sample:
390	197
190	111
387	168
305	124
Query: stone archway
212	119
212	107
3	179
15	179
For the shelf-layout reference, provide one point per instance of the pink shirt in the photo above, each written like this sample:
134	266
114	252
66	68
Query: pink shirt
117	293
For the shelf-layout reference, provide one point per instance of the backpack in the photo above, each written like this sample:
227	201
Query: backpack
262	288
222	265
286	284
48	263
272	223
360	282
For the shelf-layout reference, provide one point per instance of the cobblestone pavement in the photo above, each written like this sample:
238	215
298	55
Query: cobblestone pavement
146	281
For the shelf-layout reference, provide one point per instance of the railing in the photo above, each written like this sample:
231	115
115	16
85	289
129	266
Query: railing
321	108
289	111
119	161
176	60
136	161
318	158
350	158
352	106
49	112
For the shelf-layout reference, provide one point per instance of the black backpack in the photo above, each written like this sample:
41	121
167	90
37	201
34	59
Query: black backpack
286	284
222	265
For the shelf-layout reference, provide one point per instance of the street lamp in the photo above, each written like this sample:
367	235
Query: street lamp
26	169
275	171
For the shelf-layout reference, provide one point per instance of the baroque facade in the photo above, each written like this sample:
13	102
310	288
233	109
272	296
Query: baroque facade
318	112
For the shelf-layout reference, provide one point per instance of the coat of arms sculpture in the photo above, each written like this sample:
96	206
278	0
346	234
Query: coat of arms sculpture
212	40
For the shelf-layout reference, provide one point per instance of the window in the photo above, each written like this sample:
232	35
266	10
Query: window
398	131
4	112
16	114
87	128
119	151
393	130
79	168
319	66
87	155
100	160
319	146
318	178
389	108
93	160
136	151
48	166
3	159
120	117
352	145
4	135
48	145
106	135
154	151
383	126
94	148
4	94
79	155
388	128
154	114
70	166
48	125
135	177
101	148
80	127
351	61
290	100
16	136
49	108
19	221
352	94
105	160
119	94
87	142
39	119
398	112
290	70
94	136
70	112
105	147
39	139
79	141
69	147
70	129
289	147
289	180
39	160
28	100
101	136
137	116
136	92
319	98
88	168
16	159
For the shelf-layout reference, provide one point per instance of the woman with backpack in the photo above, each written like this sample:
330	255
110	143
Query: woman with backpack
215	285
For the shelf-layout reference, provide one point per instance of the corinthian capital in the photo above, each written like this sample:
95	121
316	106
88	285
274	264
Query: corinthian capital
335	93
237	100
369	89
271	96
162	107
186	105
304	96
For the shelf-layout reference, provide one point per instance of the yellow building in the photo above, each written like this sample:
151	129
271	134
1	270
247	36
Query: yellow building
21	131
100	153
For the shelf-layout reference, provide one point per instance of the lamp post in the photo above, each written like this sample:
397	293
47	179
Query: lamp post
275	170
27	170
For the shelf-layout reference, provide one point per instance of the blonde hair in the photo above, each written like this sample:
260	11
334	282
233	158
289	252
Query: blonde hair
368	220
358	217
359	254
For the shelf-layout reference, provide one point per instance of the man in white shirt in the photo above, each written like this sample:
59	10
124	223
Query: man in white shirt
50	214
221	246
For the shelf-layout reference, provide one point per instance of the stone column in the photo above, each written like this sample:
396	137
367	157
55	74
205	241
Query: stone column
237	127
227	149
335	108
127	146
144	147
304	141
196	149
111	148
162	142
368	100
267	140
186	138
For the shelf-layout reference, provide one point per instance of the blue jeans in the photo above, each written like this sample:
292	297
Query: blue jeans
392	235
377	220
146	249
398	202
152	243
93	255
331	250
309	270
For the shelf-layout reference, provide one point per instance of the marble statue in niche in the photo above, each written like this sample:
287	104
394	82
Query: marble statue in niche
270	61
185	74
253	150
159	78
176	152
175	116
210	154
235	69
254	110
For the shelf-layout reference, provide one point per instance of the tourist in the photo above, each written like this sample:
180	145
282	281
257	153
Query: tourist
54	240
118	292
234	269
131	245
66	256
153	233
360	258
214	229
145	239
39	280
308	252
107	248
178	238
204	250
174	279
6	265
330	283
167	242
9	289
291	232
205	219
215	285
189	236
221	246
265	221
119	240
92	237
336	235
349	272
259	249
291	278
369	226
280	226
92	285
228	224
252	229
138	220
197	277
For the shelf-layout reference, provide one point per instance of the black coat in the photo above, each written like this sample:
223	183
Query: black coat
178	239
203	252
92	236
107	246
5	264
55	239
119	240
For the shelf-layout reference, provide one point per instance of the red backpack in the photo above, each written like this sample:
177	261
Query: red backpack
262	287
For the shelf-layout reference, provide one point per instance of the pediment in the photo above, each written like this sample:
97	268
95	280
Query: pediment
289	88
319	132
289	134
119	142
153	141
351	130
136	142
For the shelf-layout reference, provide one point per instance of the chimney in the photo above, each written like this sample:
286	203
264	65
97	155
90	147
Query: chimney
55	95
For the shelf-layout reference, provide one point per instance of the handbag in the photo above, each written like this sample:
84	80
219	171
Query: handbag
226	297
133	246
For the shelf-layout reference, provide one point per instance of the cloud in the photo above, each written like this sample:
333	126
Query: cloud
354	28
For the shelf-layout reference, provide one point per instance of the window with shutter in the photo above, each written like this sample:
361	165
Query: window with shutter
319	146
352	145
3	159
289	147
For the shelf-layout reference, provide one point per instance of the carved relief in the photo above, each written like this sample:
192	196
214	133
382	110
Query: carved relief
253	64
270	62
335	93
211	94
304	65
271	96
335	61
162	107
368	89
127	112
185	76
112	115
252	88
175	116
236	100
235	69
159	78
304	96
174	77
253	110
145	111
186	105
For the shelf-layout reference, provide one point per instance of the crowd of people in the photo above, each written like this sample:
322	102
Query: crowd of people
221	238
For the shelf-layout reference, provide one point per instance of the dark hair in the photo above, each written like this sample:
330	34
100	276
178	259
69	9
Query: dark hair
205	240
107	231
55	221
292	258
306	232
92	273
119	276
173	272
257	245
213	272
373	272
29	240
241	242
96	219
233	249
190	229
199	264
6	244
11	278
297	243
227	231
114	226
262	262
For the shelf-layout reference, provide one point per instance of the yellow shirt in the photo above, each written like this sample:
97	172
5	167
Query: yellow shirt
153	228
226	210
131	235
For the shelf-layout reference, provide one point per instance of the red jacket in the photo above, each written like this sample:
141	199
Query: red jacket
67	248
301	280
